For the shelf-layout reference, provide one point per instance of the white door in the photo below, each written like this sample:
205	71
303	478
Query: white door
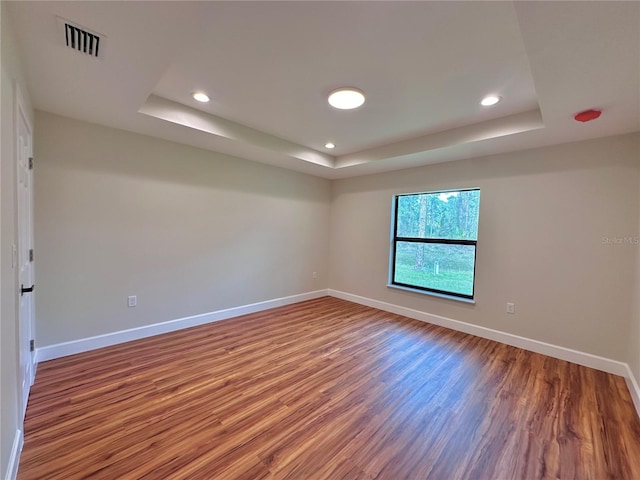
25	245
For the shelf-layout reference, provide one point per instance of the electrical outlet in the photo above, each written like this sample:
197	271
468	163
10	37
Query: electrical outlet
132	301
314	275
511	308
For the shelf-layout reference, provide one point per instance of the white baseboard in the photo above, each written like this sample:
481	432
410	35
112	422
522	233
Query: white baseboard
634	389
85	344
562	353
14	458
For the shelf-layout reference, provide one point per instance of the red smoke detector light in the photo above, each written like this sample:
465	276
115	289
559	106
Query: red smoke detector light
587	115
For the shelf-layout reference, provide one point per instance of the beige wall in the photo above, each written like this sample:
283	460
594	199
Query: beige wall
634	336
543	216
634	331
10	418
117	215
186	230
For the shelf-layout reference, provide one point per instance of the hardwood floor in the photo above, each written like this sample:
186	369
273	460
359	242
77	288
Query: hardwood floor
326	389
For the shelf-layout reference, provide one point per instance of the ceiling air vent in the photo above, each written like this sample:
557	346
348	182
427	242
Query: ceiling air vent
82	39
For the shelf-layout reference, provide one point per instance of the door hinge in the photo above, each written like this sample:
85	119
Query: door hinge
30	163
31	254
32	345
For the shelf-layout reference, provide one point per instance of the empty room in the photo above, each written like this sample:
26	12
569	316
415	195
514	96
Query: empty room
317	240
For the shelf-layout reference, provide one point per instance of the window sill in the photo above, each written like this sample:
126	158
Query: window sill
432	294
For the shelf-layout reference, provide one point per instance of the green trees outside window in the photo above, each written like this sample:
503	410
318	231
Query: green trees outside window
434	243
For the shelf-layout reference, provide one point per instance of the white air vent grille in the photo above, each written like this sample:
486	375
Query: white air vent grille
81	39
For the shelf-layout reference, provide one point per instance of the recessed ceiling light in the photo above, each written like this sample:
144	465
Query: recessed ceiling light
329	145
346	98
201	97
490	100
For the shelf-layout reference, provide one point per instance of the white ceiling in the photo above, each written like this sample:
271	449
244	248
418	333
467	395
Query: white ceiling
268	67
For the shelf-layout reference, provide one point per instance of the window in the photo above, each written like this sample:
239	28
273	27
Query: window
434	241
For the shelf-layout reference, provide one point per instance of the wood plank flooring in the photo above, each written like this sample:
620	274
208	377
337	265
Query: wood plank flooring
326	389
